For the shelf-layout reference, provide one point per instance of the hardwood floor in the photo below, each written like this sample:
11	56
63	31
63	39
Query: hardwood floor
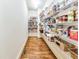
37	49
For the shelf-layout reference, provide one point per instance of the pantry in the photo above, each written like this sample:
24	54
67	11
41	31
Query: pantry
39	29
53	27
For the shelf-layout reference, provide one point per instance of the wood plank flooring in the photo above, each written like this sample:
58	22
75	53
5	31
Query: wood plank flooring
37	49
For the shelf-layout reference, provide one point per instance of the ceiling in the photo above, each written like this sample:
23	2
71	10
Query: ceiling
35	4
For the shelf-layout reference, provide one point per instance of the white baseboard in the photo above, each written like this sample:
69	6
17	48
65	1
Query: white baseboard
22	48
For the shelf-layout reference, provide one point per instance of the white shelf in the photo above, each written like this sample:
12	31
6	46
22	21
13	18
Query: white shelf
69	23
69	40
65	38
66	11
59	53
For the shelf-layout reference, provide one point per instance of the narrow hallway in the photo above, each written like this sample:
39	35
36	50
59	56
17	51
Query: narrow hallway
37	49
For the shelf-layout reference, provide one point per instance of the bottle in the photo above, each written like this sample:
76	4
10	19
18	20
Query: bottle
65	18
71	15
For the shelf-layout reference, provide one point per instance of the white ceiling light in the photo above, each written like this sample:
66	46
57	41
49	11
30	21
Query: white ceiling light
35	3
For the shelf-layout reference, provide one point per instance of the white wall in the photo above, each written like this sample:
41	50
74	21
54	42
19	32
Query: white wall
33	13
13	28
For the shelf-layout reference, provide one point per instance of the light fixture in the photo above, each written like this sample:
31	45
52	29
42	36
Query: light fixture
35	3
